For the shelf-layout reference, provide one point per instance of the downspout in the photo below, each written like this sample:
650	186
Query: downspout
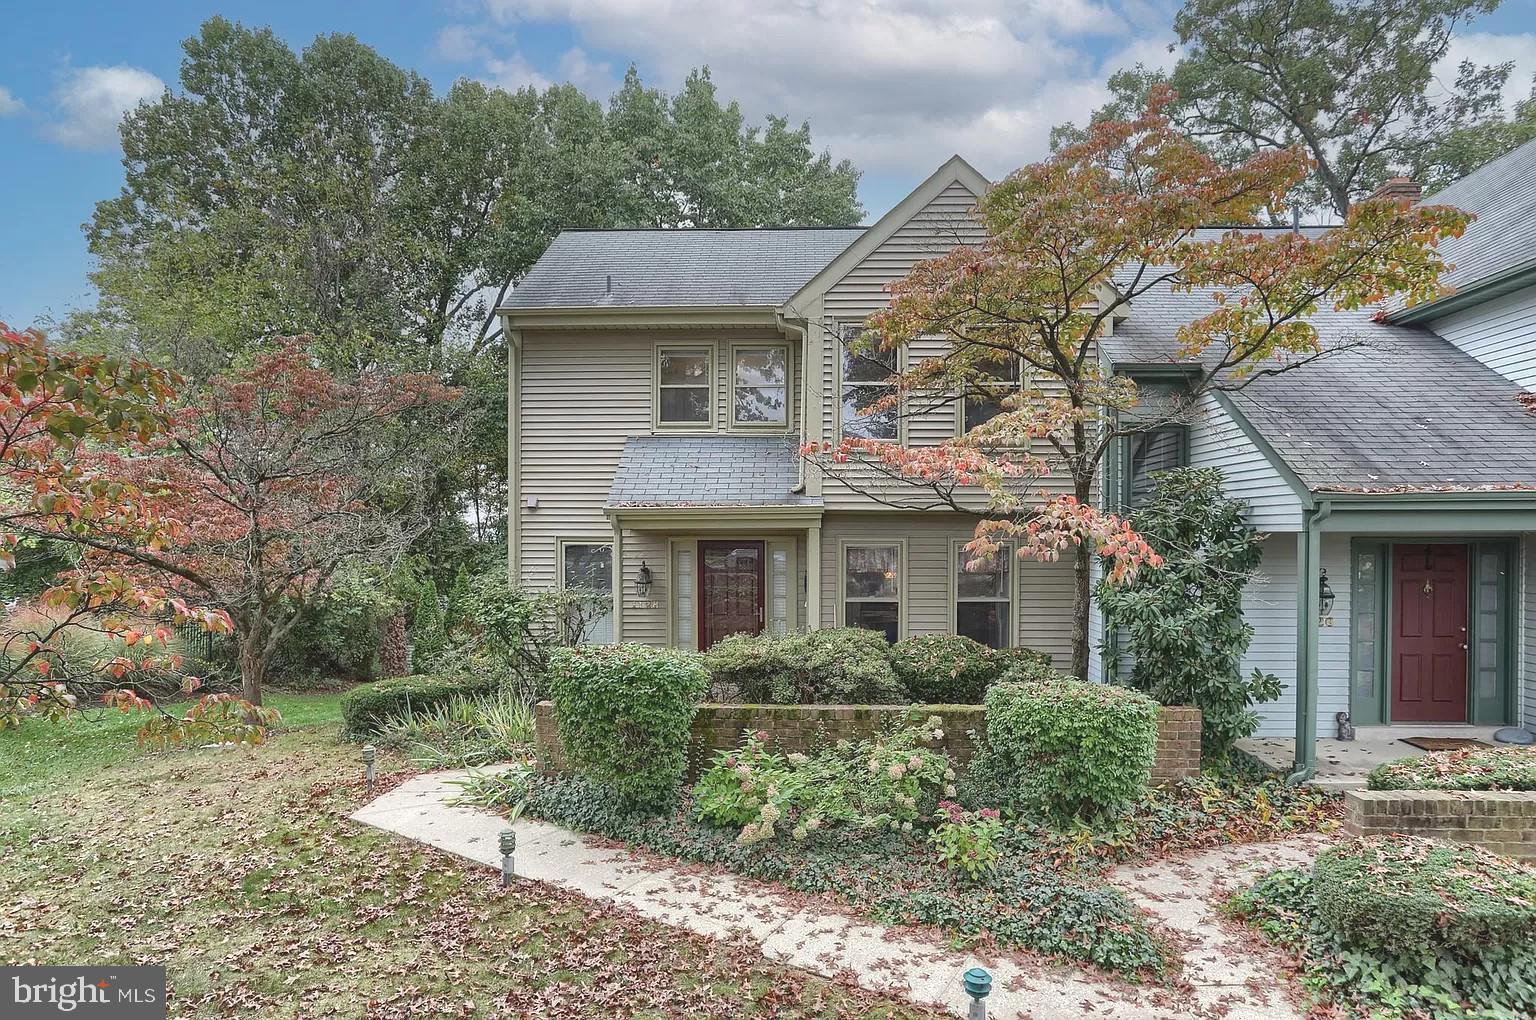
1308	562
805	394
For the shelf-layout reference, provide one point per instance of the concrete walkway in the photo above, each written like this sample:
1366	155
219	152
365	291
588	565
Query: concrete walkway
1344	764
1227	975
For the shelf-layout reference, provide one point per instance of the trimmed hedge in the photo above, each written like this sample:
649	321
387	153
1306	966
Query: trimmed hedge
364	708
854	666
624	713
1490	768
1066	748
943	669
839	666
1407	895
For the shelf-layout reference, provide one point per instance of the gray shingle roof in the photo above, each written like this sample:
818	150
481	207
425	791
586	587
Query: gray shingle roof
716	470
1503	195
661	268
1398	408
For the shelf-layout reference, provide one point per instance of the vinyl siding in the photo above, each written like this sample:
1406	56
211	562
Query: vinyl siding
944	223
582	395
941	225
650	621
1043	600
1216	441
1500	332
1269	604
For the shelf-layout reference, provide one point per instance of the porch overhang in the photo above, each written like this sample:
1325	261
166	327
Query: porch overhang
694	518
1464	512
1422	514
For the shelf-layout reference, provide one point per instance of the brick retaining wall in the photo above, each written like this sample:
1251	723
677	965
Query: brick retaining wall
1502	822
805	727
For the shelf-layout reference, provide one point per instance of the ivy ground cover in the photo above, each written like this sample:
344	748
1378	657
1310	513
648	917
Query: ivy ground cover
1046	891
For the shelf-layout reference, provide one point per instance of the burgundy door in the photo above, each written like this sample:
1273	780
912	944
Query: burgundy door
730	590
1429	633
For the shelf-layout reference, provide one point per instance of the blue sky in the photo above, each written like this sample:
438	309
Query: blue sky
895	85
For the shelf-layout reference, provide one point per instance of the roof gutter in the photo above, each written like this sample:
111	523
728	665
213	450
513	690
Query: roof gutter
1502	282
576	317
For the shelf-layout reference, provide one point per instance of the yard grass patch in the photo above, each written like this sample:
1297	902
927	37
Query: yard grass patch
40	753
238	871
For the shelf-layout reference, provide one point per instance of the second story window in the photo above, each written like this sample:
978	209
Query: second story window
682	387
760	385
864	382
1158	449
984	397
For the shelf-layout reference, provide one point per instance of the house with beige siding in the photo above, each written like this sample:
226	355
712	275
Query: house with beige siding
662	383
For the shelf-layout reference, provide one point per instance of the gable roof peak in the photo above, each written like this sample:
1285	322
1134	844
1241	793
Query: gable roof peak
954	170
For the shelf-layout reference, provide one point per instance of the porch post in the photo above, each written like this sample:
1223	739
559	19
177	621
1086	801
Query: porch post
813	577
1308	561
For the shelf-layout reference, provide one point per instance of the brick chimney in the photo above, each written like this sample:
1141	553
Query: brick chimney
1400	189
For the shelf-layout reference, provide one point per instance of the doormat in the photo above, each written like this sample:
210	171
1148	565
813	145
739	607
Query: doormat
1444	743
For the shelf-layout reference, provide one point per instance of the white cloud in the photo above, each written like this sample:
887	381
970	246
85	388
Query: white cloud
91	103
460	44
9	104
895	85
1488	48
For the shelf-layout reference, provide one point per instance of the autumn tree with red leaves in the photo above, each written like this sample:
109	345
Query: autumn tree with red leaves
1072	242
278	476
56	410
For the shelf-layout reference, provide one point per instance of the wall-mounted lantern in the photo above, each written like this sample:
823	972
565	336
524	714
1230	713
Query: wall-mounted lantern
643	581
1324	594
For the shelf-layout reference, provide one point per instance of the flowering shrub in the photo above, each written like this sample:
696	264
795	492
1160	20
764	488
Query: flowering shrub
890	782
740	784
967	841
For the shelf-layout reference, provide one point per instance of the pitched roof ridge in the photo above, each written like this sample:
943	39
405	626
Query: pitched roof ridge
702	230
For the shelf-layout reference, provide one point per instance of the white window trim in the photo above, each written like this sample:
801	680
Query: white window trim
960	429
956	545
615	580
903	579
789	389
708	350
839	343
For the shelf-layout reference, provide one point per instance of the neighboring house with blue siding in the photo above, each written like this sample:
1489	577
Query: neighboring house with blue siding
661	383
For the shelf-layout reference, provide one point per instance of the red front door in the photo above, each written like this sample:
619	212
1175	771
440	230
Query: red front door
730	590
1429	633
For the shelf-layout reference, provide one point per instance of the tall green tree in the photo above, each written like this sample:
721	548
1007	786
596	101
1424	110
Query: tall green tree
1351	82
332	194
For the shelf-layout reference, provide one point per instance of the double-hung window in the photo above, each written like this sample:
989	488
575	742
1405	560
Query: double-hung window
984	396
1147	452
984	596
760	385
683	387
865	376
872	587
588	567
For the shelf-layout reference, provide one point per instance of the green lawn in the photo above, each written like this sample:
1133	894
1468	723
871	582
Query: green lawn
238	870
39	753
